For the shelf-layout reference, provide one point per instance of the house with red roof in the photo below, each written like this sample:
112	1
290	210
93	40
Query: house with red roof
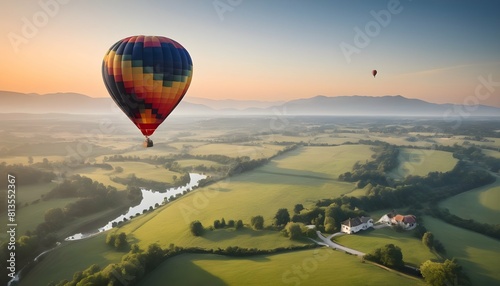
407	222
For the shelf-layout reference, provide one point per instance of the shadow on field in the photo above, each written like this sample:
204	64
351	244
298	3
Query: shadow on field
242	234
182	270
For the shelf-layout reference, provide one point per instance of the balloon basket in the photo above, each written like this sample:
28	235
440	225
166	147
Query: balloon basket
147	143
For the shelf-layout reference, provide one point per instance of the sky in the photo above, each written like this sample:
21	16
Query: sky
437	51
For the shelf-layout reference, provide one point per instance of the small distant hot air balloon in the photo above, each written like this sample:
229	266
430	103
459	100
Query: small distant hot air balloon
374	73
147	77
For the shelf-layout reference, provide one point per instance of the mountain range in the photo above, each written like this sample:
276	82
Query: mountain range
355	105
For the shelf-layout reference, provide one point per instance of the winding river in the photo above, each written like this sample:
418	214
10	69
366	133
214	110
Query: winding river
149	200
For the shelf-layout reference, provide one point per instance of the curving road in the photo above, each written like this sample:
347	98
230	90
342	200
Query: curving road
326	241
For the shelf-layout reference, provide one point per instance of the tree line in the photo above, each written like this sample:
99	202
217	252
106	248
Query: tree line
137	263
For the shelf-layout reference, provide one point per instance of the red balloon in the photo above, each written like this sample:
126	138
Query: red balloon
374	73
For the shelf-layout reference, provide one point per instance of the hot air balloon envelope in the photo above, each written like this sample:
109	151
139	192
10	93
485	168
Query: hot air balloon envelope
147	77
374	73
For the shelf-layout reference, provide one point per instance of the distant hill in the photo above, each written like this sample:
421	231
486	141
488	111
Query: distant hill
13	102
233	104
384	105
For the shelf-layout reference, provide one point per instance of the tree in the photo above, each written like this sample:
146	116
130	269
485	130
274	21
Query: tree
257	222
439	247
110	239
230	223
121	241
216	224
391	256
330	224
297	208
281	218
437	274
222	223
239	224
155	255
196	228
54	216
428	239
293	230
119	169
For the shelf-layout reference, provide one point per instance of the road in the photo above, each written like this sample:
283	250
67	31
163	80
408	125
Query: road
327	242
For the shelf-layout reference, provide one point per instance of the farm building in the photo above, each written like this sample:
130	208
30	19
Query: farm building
354	225
408	222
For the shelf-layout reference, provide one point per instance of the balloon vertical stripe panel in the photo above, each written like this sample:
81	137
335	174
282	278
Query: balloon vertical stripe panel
147	77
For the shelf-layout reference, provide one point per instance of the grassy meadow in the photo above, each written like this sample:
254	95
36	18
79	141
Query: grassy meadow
304	175
417	162
312	267
70	257
478	254
481	204
260	192
414	251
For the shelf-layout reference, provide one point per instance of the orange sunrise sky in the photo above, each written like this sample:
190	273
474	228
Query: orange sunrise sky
265	50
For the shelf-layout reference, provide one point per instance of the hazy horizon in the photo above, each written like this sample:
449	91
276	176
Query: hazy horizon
277	51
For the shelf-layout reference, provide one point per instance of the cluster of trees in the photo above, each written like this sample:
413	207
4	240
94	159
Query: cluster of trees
230	224
117	241
133	181
373	172
476	155
431	242
447	273
294	230
26	175
94	196
328	218
414	189
389	255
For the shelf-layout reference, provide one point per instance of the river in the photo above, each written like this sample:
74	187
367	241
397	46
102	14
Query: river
149	199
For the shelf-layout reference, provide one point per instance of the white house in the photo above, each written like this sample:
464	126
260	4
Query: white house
354	225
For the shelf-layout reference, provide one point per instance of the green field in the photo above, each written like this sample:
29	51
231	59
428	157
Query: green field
478	254
142	170
195	162
233	150
242	197
309	267
324	162
491	153
28	218
414	252
481	204
30	193
417	162
70	257
24	159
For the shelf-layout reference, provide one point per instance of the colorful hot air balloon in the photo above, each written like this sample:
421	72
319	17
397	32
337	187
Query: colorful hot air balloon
147	76
374	73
